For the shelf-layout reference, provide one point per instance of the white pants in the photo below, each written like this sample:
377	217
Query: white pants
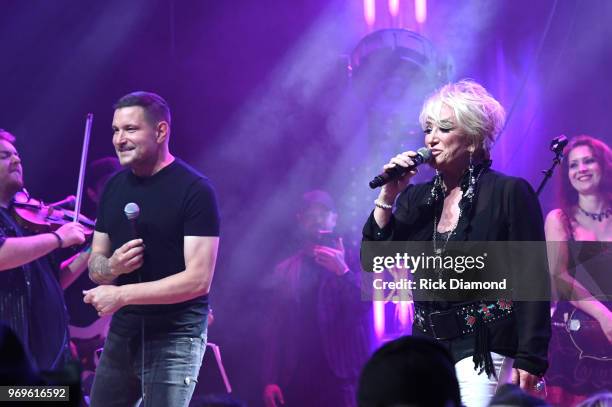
477	389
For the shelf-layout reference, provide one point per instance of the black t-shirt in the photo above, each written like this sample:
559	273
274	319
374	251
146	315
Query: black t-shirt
175	202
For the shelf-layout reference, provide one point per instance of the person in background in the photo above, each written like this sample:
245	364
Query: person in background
579	234
409	371
316	335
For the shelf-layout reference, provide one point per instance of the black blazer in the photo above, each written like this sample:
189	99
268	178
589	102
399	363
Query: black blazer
505	209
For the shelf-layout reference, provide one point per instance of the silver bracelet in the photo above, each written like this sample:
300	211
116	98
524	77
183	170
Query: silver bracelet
382	205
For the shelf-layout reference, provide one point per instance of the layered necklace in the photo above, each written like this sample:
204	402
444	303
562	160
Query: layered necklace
438	251
469	192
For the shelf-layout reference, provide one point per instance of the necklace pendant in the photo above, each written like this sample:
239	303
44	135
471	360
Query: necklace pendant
438	251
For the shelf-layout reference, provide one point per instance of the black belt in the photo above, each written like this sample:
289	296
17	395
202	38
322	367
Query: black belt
459	320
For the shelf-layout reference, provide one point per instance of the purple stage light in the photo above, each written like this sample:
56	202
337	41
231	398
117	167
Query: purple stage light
420	11
369	12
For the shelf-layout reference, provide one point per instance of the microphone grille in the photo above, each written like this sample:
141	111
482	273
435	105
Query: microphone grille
425	153
131	211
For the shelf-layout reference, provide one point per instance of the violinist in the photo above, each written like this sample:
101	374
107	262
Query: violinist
31	297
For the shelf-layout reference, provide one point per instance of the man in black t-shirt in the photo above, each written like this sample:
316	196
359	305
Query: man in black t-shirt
162	263
31	297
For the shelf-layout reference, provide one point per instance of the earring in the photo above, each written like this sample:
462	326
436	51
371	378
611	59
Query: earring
469	192
436	189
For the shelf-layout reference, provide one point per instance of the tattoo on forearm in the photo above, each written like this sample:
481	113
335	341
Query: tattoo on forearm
99	269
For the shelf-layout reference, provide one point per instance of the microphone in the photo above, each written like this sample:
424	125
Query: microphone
558	144
423	155
132	211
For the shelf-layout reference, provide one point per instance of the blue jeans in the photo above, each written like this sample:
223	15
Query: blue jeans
171	368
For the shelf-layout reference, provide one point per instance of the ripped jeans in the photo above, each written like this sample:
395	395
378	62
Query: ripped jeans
171	368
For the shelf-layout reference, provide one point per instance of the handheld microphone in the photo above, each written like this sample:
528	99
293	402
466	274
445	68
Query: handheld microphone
132	211
423	155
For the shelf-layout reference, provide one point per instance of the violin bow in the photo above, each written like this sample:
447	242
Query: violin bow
79	194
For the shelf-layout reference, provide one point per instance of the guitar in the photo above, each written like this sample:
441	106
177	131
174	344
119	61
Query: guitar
587	336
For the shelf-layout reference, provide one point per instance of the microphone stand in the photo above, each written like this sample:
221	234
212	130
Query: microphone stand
556	146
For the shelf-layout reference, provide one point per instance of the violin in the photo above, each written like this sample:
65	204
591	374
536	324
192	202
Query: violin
38	217
34	215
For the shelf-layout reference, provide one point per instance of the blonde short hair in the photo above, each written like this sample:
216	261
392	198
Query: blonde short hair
477	112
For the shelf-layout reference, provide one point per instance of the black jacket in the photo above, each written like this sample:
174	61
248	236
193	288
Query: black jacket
505	209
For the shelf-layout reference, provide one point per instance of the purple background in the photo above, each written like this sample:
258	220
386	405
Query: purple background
262	105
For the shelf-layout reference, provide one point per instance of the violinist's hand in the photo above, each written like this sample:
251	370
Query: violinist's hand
72	234
127	258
